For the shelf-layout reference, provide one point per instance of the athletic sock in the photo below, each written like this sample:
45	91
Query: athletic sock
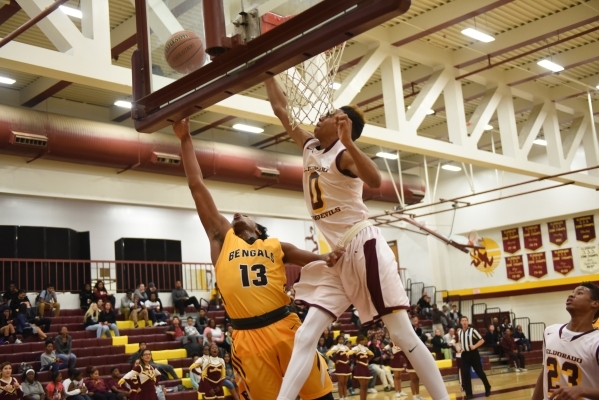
420	357
302	358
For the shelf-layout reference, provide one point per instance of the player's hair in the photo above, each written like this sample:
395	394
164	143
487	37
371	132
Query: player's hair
263	230
594	289
357	118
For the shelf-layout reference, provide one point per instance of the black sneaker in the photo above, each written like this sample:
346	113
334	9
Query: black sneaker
387	389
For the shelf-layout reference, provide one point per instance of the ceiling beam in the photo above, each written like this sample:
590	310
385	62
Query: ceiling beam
41	89
440	18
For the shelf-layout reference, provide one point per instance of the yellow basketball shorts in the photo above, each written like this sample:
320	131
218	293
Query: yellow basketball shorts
260	358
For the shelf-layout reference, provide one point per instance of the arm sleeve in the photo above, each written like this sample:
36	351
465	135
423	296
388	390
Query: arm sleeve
70	389
475	336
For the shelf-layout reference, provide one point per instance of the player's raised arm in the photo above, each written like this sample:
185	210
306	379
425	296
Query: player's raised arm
297	256
354	160
215	225
278	102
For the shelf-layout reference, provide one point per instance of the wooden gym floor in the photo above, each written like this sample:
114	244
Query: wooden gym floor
505	386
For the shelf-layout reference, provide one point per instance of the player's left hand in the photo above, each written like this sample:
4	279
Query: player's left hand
344	128
334	256
567	393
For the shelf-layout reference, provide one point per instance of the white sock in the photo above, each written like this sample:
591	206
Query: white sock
420	357
304	350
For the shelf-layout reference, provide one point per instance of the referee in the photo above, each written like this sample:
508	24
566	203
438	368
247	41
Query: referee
471	340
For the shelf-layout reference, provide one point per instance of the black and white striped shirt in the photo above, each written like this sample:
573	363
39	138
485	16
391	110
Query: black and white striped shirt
468	338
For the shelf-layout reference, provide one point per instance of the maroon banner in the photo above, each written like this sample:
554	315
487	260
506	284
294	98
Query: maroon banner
515	267
558	234
511	240
585	228
537	264
532	237
563	262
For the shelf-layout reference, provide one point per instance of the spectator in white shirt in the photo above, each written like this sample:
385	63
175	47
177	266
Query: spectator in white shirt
155	312
192	331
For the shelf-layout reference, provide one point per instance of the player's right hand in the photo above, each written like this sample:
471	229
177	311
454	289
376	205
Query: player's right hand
333	257
181	128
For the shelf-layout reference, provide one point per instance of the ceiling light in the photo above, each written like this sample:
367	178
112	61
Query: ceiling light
8	81
335	85
389	156
72	12
121	103
597	86
429	112
550	65
474	34
541	142
450	167
247	128
488	127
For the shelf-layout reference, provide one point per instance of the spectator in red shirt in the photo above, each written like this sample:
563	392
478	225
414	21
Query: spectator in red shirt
510	348
112	383
101	293
97	388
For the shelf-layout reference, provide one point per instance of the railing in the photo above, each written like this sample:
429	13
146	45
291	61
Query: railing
535	331
491	310
416	292
478	308
431	291
34	275
512	317
465	307
525	322
441	296
408	287
402	275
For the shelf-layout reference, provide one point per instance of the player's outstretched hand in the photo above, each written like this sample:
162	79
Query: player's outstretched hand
333	257
344	127
181	128
567	393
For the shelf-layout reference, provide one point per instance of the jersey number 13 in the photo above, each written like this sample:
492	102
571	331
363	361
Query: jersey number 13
259	274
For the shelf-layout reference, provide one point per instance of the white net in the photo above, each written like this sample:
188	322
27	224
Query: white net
310	87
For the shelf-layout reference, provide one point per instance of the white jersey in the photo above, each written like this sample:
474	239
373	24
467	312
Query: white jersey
333	197
569	358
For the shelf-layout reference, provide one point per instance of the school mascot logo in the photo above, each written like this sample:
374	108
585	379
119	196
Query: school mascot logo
486	259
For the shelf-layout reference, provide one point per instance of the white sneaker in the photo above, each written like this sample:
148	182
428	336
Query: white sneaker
401	394
523	369
372	390
517	369
418	397
18	341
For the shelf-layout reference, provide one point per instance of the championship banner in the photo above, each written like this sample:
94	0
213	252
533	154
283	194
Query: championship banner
585	228
563	261
511	240
532	237
514	266
558	234
589	258
537	264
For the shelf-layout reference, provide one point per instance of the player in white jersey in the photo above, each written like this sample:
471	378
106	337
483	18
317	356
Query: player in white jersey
366	275
571	351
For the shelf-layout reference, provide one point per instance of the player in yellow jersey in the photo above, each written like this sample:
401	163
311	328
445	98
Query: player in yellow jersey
250	271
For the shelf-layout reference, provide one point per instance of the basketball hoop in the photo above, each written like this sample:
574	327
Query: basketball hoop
475	241
309	87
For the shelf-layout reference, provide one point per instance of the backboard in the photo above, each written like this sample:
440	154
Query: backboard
246	42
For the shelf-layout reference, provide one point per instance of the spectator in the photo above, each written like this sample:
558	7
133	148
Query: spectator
418	329
216	299
86	297
195	372
181	299
97	388
328	338
229	336
74	387
120	391
100	293
506	324
450	323
138	310
91	321
492	339
164	369
108	319
302	311
201	321
32	388
438	345
192	332
155	311
455	315
126	304
521	340
11	389
386	338
508	344
439	319
55	389
10	294
141	292
152	289
49	360
229	381
26	317
7	328
375	364
451	339
217	334
424	304
48	299
322	348
63	344
176	332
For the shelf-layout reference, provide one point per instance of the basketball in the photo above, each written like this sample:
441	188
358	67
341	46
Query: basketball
184	52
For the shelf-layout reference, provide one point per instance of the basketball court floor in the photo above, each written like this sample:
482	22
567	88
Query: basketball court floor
508	386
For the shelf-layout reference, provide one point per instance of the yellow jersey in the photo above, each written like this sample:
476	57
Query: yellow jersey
251	277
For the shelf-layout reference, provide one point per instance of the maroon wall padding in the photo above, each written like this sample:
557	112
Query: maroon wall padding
94	143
